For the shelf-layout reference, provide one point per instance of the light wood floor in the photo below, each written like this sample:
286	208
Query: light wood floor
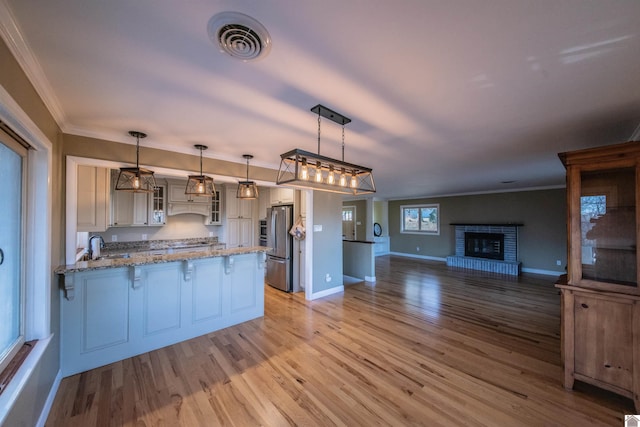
425	345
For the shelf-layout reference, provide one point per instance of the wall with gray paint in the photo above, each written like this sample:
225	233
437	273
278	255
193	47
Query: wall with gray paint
542	239
327	244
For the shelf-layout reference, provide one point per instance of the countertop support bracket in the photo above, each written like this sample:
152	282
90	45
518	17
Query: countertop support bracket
188	269
69	286
228	264
136	272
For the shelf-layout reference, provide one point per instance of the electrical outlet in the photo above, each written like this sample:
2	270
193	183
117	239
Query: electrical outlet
327	278
558	262
114	238
143	237
211	234
417	248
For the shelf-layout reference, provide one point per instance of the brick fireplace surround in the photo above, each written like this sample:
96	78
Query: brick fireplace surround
510	265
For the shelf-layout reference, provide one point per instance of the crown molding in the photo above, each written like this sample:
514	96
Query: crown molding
12	36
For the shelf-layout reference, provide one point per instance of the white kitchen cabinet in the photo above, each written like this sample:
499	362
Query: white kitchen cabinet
93	198
237	208
158	208
176	194
239	232
128	208
280	196
239	227
215	210
264	202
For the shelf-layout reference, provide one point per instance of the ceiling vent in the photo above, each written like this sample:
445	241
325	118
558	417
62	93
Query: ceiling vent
239	35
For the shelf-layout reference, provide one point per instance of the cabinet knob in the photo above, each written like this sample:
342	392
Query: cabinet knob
584	305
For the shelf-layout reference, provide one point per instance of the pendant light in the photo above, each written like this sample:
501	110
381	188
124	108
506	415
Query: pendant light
200	185
306	170
247	189
137	180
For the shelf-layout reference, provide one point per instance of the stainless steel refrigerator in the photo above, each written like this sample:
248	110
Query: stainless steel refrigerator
279	261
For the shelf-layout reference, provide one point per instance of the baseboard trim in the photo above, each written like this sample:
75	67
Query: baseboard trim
427	257
543	272
49	402
327	292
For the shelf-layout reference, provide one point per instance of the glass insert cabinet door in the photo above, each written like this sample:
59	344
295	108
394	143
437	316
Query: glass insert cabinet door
608	226
11	194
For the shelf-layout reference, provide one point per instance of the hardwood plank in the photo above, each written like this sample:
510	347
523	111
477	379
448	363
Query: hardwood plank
426	345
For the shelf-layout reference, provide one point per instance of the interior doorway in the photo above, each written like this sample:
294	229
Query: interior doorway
349	222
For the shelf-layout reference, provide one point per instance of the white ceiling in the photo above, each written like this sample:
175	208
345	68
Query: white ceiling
445	97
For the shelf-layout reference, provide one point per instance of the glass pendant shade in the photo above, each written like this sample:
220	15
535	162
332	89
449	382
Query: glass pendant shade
306	170
247	189
200	185
136	179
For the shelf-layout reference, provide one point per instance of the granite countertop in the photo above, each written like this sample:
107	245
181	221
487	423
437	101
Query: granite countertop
148	257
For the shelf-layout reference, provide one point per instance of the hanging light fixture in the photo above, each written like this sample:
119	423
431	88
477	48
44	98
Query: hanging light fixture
303	169
200	185
247	189
136	179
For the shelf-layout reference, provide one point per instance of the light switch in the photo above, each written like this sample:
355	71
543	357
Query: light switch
317	227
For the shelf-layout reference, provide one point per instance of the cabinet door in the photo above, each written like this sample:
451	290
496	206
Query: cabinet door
121	208
233	233
280	195
215	214
140	209
246	232
245	208
231	201
158	206
603	340
92	198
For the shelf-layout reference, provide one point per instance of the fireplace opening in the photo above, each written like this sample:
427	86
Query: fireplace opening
484	245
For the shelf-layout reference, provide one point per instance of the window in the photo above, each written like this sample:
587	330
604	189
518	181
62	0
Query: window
420	219
11	249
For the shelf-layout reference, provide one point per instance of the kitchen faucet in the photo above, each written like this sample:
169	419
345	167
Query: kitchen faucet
100	247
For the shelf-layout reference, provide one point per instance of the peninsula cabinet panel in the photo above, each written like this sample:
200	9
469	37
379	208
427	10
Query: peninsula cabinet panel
114	313
600	293
95	319
207	296
162	299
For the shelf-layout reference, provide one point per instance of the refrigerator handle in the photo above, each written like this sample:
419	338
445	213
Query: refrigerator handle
274	235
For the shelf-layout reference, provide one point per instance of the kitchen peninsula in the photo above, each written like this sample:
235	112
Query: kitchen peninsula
121	306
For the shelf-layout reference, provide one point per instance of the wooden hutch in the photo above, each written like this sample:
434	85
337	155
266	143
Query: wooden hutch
600	294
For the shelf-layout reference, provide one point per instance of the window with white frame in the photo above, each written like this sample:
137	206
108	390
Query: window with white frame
12	211
420	219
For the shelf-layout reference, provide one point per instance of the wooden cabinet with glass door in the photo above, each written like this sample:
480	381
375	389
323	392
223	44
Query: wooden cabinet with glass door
600	294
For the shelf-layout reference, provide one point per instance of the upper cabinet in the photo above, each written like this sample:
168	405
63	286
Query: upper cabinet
237	208
158	208
180	203
128	208
280	196
93	198
215	211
